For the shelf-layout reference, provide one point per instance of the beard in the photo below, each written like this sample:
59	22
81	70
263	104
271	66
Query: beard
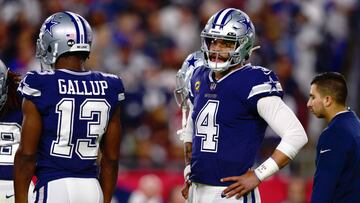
317	114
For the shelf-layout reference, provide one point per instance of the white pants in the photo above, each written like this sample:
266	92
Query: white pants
70	190
7	191
200	193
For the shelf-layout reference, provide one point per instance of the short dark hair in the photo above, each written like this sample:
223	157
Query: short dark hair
83	55
332	84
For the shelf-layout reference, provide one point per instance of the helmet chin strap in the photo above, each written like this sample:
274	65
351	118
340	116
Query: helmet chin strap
44	67
215	66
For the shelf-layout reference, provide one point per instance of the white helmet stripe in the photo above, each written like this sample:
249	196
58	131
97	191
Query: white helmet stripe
222	15
216	18
81	28
80	35
86	40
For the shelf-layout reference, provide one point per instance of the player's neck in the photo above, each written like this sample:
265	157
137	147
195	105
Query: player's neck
70	63
331	113
218	75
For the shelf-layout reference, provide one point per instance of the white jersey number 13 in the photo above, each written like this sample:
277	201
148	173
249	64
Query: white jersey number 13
87	147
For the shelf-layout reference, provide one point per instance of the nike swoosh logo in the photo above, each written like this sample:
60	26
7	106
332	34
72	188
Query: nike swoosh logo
325	150
8	196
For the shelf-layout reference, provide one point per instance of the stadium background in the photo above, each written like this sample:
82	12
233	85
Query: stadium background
145	42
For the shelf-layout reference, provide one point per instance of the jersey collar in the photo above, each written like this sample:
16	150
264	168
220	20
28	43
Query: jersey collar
211	72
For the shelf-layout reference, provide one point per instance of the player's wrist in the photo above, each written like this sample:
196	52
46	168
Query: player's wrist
187	171
266	169
184	135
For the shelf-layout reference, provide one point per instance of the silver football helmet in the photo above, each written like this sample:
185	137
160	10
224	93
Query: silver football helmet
192	61
3	84
60	33
232	26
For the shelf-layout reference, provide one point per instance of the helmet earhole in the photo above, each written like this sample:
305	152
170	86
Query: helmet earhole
49	49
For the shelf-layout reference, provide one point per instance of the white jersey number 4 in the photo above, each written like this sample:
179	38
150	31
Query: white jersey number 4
207	128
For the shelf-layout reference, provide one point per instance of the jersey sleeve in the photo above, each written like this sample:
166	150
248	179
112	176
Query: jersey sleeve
30	86
262	83
118	84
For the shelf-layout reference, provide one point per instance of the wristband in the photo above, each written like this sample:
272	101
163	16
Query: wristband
187	172
184	136
266	169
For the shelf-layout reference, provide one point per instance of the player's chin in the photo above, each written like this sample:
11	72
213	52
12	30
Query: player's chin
318	115
312	111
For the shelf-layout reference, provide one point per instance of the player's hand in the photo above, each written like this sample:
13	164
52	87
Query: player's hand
185	189
243	184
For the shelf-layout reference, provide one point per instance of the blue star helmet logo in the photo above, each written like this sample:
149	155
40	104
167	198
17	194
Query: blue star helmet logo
49	25
191	62
247	24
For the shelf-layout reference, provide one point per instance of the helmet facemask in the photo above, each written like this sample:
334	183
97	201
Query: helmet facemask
220	60
41	54
182	87
3	84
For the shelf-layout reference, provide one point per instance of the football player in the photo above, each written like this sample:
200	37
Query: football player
191	62
69	114
233	102
10	128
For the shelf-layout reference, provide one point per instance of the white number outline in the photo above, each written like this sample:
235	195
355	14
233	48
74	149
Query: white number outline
14	133
206	136
91	127
65	134
62	131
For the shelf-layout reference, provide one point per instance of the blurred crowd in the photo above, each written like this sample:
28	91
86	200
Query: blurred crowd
146	41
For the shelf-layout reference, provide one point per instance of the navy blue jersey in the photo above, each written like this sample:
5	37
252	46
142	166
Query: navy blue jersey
10	128
337	176
75	108
228	130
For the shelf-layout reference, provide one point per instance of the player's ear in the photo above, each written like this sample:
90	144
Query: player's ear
328	100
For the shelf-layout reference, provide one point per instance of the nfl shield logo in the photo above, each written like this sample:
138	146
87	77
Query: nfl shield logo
212	86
